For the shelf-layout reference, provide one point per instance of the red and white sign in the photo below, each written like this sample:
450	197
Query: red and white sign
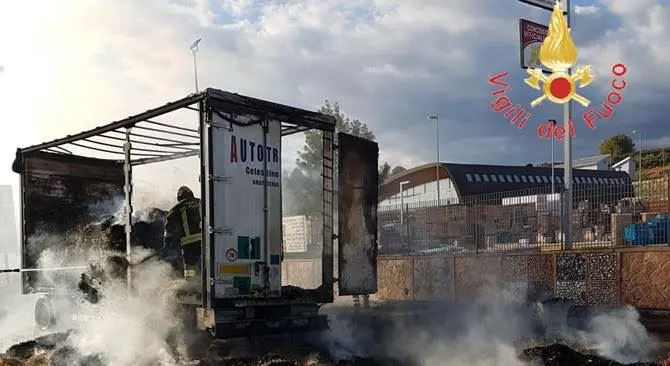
531	35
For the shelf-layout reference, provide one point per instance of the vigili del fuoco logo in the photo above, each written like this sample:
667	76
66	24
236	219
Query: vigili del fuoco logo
558	53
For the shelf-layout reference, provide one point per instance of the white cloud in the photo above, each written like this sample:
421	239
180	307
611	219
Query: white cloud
72	65
587	10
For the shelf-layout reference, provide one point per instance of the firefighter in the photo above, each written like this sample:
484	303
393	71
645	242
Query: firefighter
182	230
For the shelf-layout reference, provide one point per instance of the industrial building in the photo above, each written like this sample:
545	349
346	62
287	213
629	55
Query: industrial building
494	207
461	180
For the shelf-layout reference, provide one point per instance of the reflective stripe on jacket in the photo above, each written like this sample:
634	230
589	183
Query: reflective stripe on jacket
190	221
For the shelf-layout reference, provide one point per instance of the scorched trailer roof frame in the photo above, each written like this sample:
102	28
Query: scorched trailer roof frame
131	139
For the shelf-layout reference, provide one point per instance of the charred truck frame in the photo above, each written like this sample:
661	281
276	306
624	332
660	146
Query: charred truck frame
57	185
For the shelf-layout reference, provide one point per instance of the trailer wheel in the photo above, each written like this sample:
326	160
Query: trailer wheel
45	317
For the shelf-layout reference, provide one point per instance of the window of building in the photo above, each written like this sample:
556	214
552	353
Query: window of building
477	178
559	179
516	178
485	177
468	177
494	178
545	179
501	178
509	178
589	180
531	179
575	180
538	179
523	179
620	181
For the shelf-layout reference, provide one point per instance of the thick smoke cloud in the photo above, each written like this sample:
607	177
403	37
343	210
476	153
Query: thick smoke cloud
120	329
491	331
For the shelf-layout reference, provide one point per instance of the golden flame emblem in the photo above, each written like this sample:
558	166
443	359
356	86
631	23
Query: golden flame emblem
559	53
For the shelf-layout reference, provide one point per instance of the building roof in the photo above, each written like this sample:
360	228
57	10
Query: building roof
481	179
620	163
586	161
476	179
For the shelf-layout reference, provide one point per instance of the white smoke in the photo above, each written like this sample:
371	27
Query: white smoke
16	318
491	331
619	335
132	329
122	328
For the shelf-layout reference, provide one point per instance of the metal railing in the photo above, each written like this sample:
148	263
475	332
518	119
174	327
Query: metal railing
530	220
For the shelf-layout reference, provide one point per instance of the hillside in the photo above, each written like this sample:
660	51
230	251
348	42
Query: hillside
653	163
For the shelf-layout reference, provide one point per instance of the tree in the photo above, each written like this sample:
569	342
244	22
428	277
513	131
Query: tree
384	172
617	146
397	170
304	184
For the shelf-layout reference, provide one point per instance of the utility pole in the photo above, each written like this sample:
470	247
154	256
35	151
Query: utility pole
194	50
567	154
553	127
437	158
639	147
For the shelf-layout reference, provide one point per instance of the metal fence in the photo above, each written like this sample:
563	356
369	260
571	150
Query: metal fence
530	220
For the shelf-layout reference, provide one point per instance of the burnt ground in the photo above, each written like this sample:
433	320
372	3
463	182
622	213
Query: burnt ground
376	332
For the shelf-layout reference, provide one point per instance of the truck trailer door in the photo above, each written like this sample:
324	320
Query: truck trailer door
243	214
59	195
357	218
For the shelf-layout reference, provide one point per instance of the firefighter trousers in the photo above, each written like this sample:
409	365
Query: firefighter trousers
191	256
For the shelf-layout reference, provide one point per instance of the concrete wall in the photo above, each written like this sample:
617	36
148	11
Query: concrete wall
607	277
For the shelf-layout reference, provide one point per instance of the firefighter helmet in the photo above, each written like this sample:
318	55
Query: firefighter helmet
184	193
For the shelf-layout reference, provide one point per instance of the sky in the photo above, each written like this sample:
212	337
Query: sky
69	65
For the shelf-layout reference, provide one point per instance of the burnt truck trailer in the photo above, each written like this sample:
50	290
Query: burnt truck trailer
241	292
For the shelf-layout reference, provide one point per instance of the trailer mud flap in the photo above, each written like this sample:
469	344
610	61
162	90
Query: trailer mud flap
357	215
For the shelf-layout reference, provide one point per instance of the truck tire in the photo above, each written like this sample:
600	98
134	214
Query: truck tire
45	316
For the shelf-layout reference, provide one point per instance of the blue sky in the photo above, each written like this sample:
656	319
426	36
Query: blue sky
388	63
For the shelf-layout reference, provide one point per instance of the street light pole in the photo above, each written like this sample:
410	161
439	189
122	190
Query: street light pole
402	200
553	126
437	149
639	133
194	50
567	155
